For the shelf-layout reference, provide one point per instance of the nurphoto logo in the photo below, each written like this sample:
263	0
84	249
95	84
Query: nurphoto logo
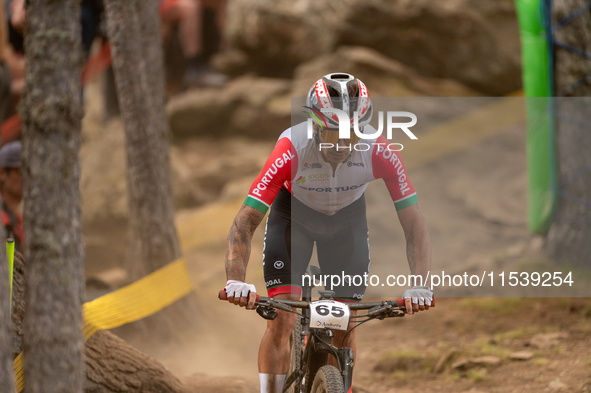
346	125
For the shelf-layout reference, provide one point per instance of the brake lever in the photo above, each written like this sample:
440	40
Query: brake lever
266	312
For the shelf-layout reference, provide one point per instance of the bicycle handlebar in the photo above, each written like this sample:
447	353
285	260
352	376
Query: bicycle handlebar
302	304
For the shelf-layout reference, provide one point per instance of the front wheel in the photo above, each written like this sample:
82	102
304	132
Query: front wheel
295	363
328	380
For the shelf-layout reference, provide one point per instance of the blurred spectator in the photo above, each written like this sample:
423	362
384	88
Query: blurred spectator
187	16
90	14
14	52
5	105
11	190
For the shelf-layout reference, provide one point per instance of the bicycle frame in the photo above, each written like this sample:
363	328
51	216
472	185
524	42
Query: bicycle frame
317	346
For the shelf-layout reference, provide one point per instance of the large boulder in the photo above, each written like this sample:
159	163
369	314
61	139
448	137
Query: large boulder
247	106
474	42
383	76
261	107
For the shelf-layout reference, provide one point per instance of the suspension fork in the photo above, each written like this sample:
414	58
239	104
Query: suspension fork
345	360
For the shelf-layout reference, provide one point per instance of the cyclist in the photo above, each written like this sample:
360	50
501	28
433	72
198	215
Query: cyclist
315	190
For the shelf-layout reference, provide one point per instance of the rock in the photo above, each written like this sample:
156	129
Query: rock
384	76
547	340
277	35
474	42
462	364
231	62
557	386
521	355
482	361
248	106
487	360
443	360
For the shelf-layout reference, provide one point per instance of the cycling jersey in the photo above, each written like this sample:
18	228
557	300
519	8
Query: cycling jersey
297	163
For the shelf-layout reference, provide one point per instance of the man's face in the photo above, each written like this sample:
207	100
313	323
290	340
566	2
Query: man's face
12	182
338	153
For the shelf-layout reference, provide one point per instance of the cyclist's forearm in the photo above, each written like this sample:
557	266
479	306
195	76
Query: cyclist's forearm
239	242
418	250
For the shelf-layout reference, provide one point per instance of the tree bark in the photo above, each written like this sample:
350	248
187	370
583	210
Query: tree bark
115	366
134	32
568	239
140	87
6	370
112	365
51	115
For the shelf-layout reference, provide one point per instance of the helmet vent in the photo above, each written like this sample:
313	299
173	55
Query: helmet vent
340	76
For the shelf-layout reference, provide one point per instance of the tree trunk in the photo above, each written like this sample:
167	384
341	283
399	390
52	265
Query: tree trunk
51	116
6	370
134	32
568	239
112	365
115	366
136	54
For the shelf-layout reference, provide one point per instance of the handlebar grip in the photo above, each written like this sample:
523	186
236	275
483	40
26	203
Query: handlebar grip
222	295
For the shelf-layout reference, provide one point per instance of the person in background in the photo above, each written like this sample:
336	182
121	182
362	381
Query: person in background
11	190
90	14
5	100
188	16
14	50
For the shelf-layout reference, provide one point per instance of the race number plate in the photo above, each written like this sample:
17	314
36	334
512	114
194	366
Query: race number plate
328	314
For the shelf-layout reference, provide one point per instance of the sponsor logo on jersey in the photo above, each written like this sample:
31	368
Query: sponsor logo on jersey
276	281
334	189
350	164
358	296
313	165
279	265
266	180
319	177
300	180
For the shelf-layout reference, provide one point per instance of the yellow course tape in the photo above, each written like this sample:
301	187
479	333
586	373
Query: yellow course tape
131	303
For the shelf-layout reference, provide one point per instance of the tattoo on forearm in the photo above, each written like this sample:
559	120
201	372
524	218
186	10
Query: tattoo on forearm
235	270
410	251
239	242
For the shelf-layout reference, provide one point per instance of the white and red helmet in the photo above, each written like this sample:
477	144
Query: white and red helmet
341	91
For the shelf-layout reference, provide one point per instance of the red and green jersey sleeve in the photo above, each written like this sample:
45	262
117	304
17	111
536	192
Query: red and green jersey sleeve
388	165
276	172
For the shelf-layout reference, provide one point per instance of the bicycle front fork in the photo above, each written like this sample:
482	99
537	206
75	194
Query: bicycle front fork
345	360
